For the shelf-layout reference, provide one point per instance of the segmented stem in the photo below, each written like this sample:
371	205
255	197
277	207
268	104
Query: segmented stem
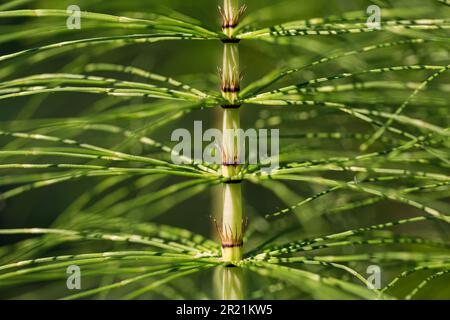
232	227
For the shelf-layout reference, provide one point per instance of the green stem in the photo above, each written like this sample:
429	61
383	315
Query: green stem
230	14
232	227
231	284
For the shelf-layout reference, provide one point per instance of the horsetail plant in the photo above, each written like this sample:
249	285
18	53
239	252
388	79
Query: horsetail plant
233	225
89	178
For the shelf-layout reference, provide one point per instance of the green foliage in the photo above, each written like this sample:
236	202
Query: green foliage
363	179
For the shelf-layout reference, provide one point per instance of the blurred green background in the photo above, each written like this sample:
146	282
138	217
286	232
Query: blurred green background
196	63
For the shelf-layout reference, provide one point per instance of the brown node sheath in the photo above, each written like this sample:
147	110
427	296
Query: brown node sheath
233	21
230	84
229	26
231	106
228	238
231	40
231	88
233	181
226	162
